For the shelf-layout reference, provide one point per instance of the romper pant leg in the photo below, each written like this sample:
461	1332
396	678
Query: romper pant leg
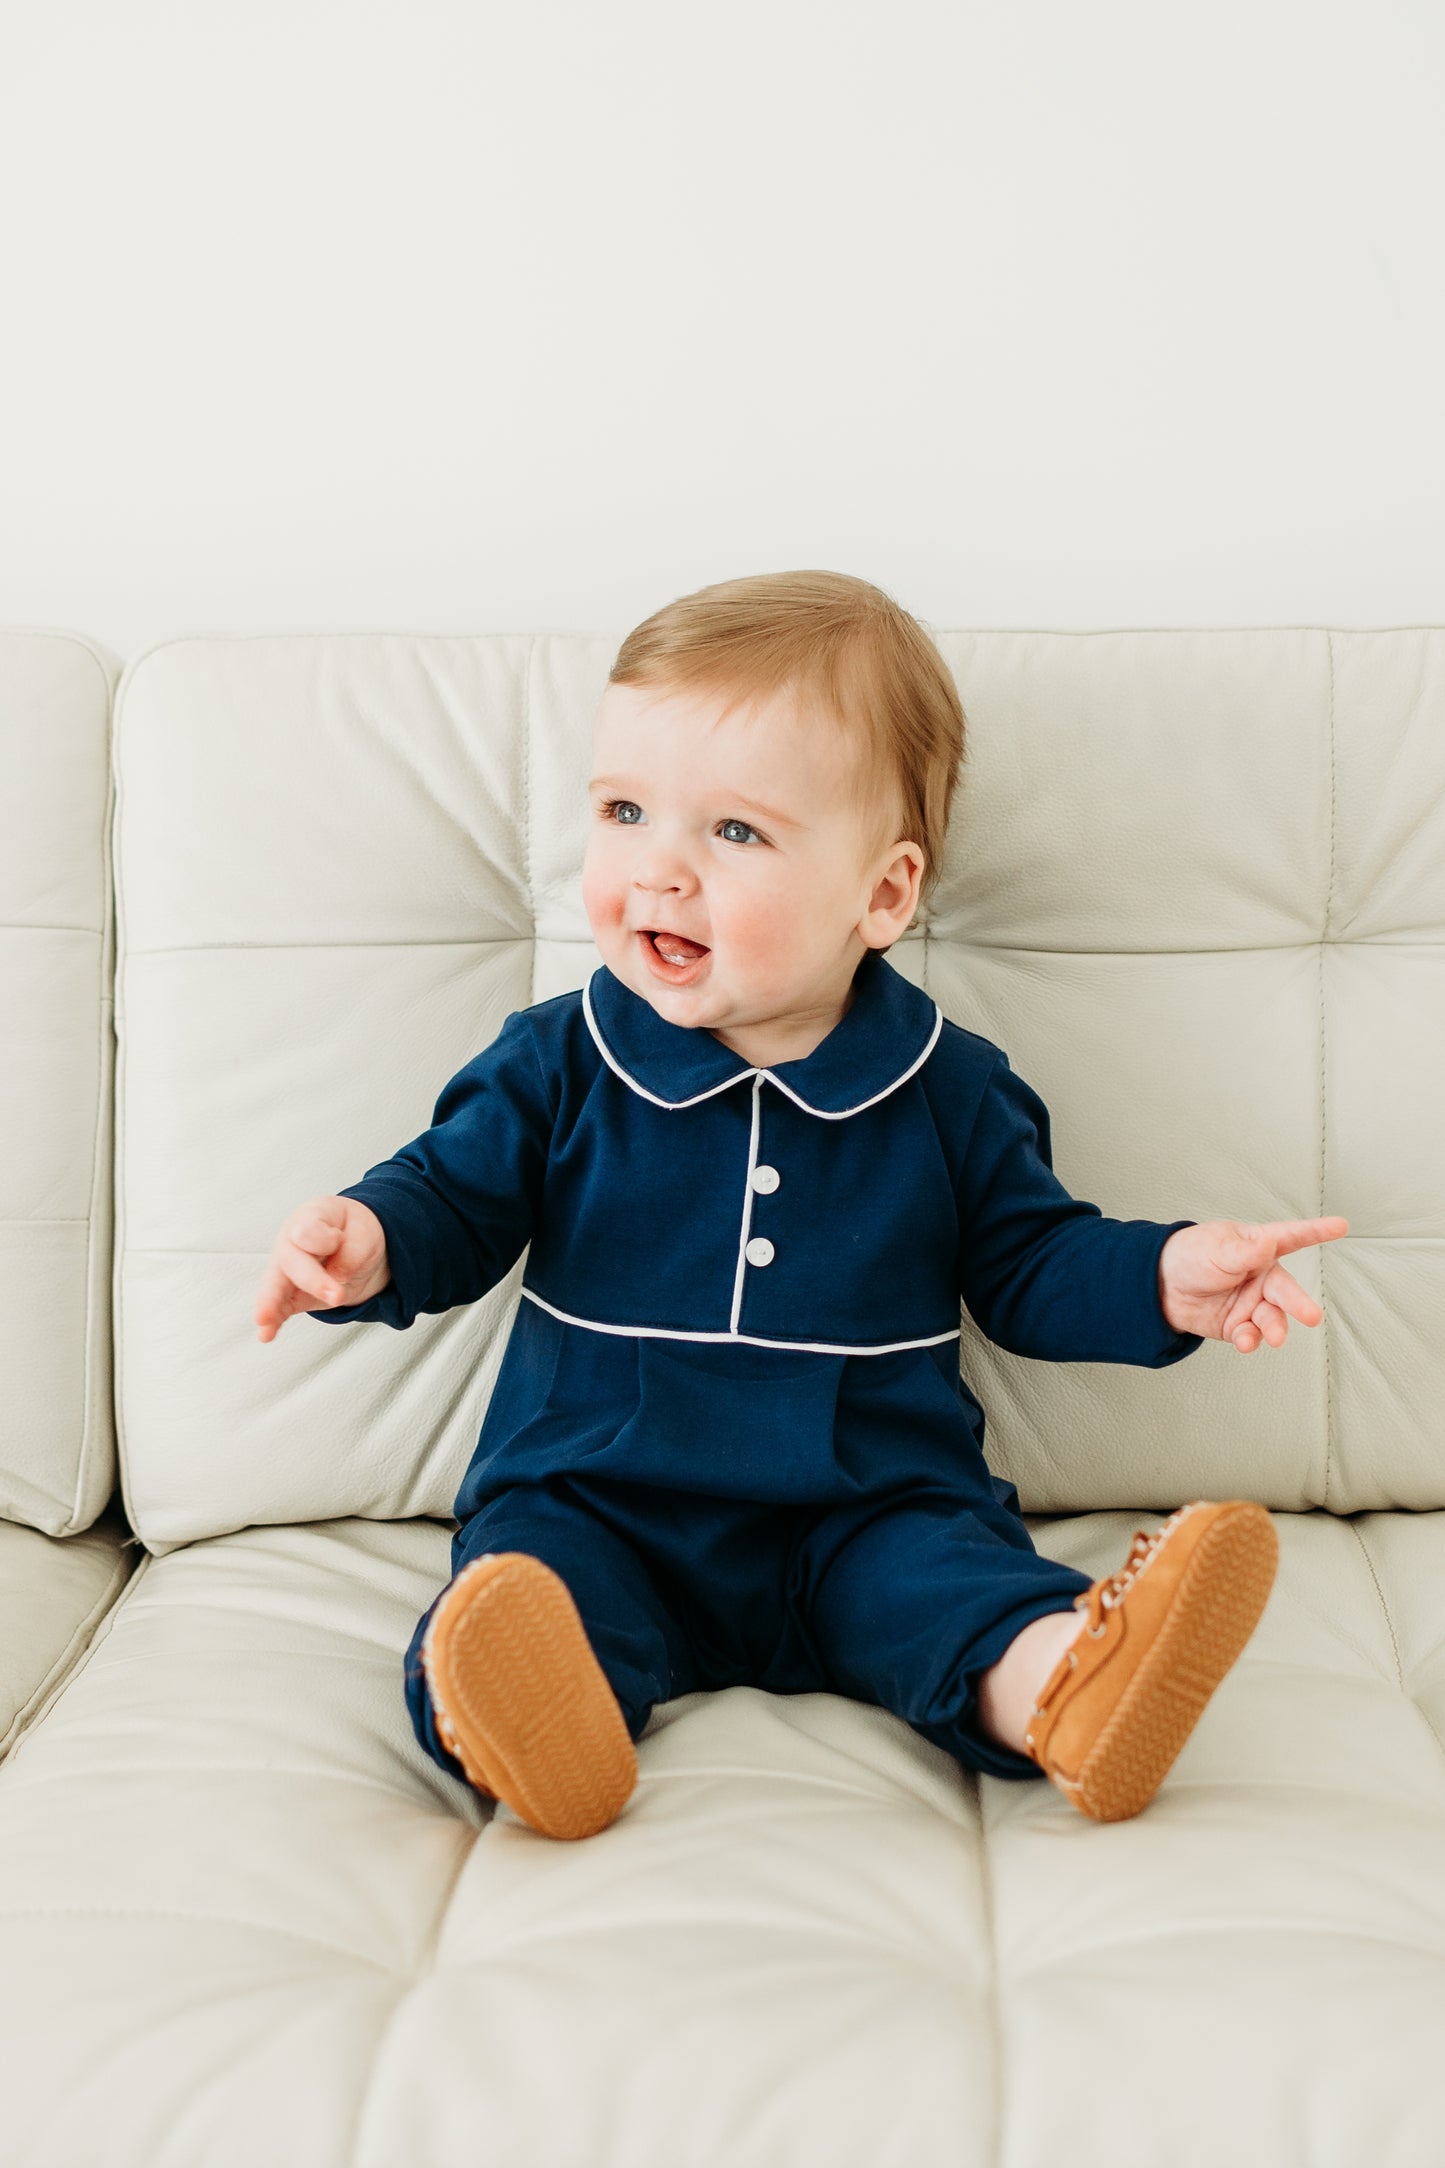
639	1646
909	1600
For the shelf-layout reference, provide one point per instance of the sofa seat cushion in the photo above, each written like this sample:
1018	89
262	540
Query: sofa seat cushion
54	1592
246	1918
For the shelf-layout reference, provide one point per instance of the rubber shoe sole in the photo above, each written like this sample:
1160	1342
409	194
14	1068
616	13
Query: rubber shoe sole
1125	1709
521	1700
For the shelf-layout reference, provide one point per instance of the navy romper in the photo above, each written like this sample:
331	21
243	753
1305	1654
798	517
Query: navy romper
729	1413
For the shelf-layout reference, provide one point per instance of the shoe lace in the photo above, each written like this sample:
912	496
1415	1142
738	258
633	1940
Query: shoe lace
1106	1594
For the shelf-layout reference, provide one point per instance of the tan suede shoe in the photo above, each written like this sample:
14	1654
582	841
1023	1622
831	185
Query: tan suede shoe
1158	1637
521	1699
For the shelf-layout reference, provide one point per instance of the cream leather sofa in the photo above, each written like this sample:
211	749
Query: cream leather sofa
1196	890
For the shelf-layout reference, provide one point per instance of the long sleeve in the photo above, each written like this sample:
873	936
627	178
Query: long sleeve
1046	1274
458	1204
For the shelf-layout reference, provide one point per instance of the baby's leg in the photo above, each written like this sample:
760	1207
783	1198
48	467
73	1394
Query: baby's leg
1101	1697
914	1605
1008	1691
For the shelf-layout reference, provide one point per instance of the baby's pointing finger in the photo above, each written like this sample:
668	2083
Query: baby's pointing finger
1288	1235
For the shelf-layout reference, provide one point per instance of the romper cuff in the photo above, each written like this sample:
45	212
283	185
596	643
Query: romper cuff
407	1228
1172	1346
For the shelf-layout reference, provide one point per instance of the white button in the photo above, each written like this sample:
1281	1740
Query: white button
766	1179
759	1251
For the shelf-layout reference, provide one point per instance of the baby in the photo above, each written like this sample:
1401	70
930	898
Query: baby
759	1171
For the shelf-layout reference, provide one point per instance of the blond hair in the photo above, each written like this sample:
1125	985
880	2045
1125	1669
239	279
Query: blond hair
843	649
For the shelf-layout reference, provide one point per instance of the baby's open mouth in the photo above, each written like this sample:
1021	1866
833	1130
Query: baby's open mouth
675	948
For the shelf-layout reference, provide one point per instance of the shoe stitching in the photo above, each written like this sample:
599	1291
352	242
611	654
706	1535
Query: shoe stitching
1107	1594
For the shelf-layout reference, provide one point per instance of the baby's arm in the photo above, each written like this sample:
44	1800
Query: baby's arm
330	1251
1044	1273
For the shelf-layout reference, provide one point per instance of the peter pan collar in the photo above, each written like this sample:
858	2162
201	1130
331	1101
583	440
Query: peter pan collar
890	1031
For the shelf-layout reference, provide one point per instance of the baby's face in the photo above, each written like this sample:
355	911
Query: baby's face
736	833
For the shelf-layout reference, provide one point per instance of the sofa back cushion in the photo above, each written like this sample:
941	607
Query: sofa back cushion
57	1439
1195	889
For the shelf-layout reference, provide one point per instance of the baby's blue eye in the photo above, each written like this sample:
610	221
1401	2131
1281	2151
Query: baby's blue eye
620	810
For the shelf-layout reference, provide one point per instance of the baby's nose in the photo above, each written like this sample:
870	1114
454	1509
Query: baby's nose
663	870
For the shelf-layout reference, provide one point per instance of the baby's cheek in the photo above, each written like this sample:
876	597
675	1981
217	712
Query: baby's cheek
760	938
602	897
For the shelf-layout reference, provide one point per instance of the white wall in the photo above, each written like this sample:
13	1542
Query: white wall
454	316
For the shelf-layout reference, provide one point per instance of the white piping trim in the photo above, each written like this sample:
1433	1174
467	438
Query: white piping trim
843	1112
641	1089
746	1339
747	1207
824	1113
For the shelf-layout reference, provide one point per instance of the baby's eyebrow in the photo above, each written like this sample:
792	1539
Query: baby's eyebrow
769	813
734	797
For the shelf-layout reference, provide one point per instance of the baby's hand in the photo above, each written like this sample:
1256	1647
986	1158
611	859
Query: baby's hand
330	1253
1221	1279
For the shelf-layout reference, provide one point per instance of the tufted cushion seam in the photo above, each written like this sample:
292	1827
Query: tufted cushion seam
29	1711
1256	1924
1326	1327
527	810
425	1969
104	1773
213	1919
